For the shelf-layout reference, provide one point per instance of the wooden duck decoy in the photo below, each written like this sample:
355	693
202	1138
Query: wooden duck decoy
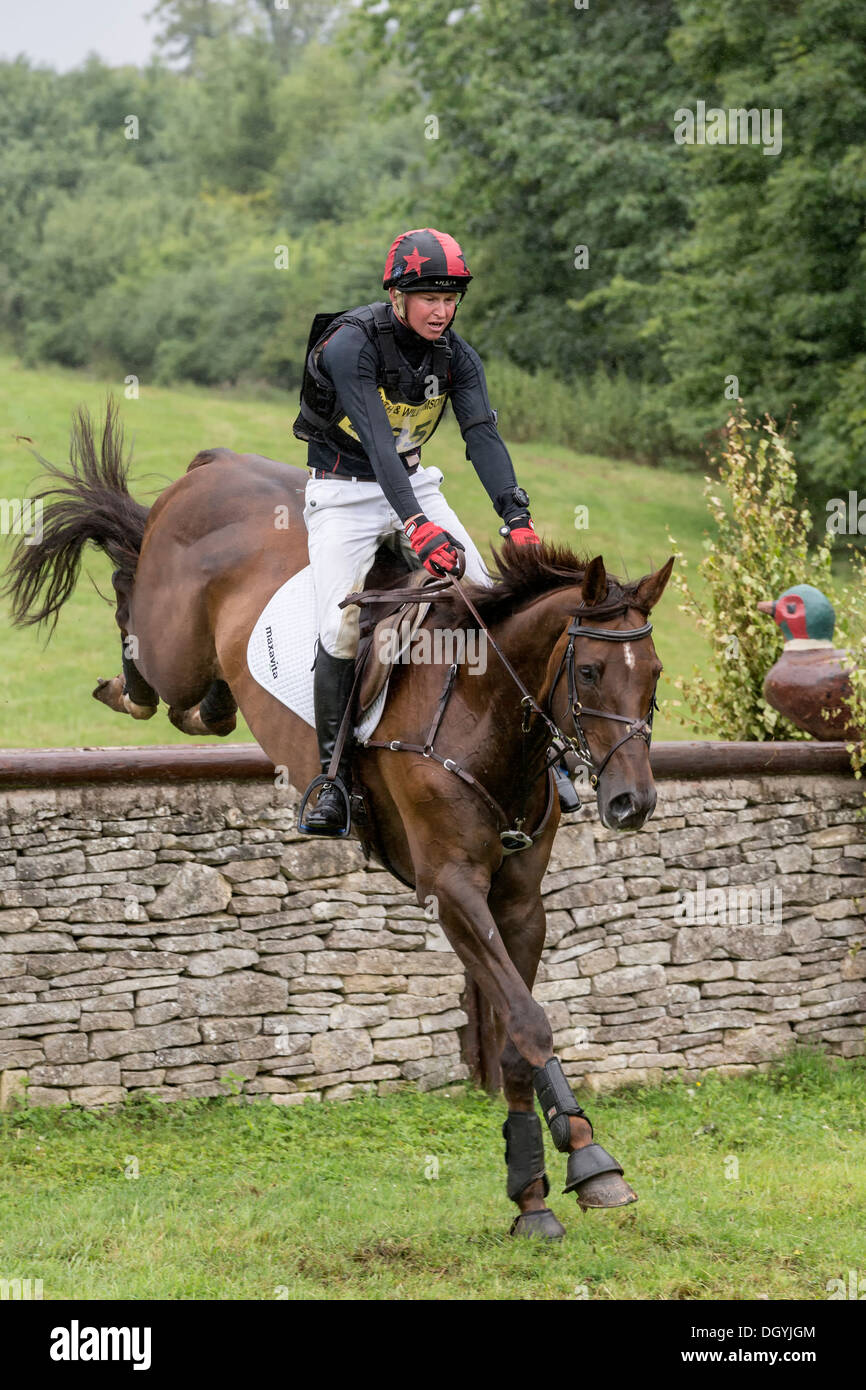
812	675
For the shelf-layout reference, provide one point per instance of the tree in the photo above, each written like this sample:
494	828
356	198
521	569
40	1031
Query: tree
186	22
554	125
292	24
769	284
287	25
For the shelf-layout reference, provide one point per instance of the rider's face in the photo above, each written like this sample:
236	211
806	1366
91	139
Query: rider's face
430	314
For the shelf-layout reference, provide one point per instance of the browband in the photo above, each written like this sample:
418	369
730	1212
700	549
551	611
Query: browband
609	634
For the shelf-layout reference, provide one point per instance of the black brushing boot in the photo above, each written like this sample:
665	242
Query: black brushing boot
332	685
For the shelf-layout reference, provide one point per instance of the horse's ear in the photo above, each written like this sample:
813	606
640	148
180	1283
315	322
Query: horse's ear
594	582
652	586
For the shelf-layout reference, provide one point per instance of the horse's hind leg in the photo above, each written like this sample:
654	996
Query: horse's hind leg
215	714
129	693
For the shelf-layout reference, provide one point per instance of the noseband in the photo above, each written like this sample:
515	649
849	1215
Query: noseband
637	728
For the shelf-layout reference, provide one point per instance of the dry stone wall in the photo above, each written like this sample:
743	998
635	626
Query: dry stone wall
183	939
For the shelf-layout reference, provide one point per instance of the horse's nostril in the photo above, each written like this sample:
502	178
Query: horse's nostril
627	812
621	807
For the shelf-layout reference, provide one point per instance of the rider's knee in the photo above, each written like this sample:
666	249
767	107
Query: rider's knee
340	637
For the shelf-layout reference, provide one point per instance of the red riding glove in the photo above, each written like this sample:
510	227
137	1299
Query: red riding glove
520	530
435	548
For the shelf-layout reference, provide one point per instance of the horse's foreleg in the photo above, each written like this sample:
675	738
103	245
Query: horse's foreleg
521	925
593	1175
460	891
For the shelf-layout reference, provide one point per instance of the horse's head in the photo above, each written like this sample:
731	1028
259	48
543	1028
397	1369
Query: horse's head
605	697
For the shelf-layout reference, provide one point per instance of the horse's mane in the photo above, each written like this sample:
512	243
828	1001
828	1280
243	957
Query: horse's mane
527	572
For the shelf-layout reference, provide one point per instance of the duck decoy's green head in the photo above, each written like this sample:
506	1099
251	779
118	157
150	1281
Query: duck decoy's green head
803	612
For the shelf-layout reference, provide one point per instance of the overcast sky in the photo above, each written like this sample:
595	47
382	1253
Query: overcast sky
61	33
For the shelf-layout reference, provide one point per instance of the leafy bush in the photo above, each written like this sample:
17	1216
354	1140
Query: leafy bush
852	610
761	548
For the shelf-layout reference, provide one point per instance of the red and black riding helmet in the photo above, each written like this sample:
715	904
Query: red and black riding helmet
426	260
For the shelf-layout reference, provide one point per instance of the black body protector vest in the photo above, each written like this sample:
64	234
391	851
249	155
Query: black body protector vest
414	398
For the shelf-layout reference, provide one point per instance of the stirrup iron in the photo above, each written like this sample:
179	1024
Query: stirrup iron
335	781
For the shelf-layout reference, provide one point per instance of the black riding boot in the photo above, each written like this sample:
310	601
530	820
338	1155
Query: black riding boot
332	685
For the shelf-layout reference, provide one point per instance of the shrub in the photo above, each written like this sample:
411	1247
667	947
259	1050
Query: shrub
608	413
761	548
852	610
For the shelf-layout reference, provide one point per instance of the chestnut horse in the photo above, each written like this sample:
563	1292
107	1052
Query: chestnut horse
568	643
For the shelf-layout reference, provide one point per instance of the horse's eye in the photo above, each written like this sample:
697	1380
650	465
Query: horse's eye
587	673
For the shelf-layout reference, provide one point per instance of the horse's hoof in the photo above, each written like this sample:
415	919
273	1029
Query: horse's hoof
181	719
110	693
605	1190
189	721
541	1224
223	727
139	711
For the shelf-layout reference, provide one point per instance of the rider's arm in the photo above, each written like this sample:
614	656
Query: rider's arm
484	445
350	361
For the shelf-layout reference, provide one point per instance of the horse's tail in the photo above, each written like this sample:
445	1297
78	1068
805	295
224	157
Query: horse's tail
89	501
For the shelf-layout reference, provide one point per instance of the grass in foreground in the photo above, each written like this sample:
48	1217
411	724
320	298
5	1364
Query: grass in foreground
749	1188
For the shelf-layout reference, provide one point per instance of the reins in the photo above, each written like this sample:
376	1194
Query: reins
513	837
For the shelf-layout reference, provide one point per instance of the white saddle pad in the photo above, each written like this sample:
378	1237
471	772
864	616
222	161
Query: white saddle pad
282	646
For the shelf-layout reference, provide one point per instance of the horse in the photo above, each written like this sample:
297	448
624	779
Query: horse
457	754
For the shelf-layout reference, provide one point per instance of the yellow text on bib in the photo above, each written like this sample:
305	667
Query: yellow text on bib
411	425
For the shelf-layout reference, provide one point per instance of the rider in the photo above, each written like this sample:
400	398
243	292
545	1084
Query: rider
376	383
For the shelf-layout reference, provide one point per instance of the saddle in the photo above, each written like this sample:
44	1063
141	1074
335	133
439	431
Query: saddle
389	636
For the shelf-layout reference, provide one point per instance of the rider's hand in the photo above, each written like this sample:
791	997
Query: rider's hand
435	548
520	530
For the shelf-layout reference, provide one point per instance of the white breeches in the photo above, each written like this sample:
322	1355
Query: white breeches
345	522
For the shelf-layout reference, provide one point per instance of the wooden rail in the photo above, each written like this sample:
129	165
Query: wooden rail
48	767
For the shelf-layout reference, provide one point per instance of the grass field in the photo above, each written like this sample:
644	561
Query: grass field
45	694
752	1187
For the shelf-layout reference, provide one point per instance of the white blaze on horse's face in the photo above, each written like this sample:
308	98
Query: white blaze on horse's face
629	655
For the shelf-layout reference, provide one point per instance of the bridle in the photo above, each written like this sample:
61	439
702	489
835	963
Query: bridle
559	741
637	728
514	838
